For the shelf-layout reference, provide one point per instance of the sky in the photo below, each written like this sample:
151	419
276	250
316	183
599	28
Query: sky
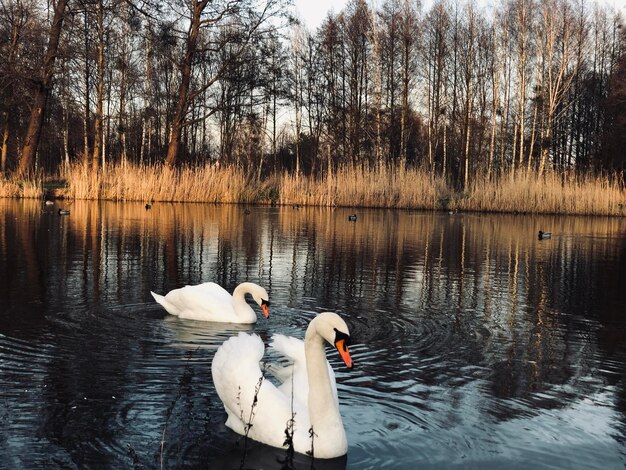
313	12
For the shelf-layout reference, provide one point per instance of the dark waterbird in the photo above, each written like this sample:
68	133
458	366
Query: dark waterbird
544	235
352	217
148	207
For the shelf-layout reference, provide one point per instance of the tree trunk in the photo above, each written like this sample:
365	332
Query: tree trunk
121	122
16	32
183	90
378	91
44	86
98	118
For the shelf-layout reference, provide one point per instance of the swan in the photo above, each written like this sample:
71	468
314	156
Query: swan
211	302
258	408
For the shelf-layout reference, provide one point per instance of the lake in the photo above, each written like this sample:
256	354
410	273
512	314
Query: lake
475	344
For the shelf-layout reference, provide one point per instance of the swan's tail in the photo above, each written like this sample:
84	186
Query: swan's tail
159	298
164	303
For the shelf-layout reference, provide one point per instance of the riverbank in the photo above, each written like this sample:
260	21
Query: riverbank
382	187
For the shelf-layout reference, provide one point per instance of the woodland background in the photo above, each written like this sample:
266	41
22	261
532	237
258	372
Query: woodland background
456	89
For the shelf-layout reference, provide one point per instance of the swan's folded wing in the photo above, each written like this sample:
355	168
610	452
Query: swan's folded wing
215	291
290	347
208	298
236	372
248	397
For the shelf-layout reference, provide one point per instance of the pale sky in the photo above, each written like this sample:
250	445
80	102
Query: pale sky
313	12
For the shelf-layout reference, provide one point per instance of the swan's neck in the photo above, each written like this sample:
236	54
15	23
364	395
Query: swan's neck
241	308
323	412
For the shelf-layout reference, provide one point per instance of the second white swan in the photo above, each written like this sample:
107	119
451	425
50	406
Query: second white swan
211	302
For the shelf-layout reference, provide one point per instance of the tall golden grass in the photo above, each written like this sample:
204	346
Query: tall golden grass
362	187
381	186
160	183
31	188
551	193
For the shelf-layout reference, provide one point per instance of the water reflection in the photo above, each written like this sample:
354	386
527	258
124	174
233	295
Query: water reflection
478	343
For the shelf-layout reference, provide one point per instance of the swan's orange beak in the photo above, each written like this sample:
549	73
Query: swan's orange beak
264	306
342	347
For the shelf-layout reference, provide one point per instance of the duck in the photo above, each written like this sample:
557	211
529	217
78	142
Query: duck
211	302
544	235
148	206
352	217
48	202
264	412
63	212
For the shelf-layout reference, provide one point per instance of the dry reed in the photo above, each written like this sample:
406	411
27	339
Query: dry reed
362	187
348	186
552	193
31	188
160	183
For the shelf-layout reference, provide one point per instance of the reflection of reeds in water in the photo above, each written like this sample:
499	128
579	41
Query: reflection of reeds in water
204	220
376	231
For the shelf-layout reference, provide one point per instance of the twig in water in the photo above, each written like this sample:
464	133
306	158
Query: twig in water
289	431
248	424
311	453
134	456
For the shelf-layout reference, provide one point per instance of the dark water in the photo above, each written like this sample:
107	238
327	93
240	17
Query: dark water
478	346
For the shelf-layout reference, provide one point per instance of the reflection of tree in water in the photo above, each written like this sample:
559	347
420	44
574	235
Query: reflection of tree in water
609	309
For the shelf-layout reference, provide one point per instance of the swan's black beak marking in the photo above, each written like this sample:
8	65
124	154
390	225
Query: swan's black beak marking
342	341
264	305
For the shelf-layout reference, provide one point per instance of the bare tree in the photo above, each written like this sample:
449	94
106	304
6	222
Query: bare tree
243	21
15	16
42	92
557	54
408	33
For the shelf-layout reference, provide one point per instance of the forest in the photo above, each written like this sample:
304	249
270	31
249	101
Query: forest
457	89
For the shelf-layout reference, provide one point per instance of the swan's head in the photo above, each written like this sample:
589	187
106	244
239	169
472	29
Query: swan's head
260	297
333	329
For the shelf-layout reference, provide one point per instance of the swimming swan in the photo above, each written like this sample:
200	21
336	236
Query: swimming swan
211	302
256	406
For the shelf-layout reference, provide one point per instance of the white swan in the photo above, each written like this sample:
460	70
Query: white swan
249	398
211	302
